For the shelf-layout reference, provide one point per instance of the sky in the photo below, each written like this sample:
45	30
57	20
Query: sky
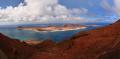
59	10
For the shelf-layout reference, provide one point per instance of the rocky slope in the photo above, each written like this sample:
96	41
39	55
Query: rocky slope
3	55
15	49
102	43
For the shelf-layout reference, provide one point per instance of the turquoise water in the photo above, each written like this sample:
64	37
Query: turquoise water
31	35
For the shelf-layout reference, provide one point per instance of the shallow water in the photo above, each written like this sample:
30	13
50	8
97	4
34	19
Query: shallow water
31	35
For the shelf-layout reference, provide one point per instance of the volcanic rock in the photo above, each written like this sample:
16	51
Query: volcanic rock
14	49
101	43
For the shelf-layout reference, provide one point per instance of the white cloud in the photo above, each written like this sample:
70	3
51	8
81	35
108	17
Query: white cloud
106	5
78	12
117	6
37	10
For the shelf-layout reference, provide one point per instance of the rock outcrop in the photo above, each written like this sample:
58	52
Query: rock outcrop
101	43
14	49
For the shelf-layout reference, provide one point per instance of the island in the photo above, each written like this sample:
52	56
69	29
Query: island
101	43
51	28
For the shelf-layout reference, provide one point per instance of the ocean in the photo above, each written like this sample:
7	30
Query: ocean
32	35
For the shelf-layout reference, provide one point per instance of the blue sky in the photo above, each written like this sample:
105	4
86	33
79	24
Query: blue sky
5	3
95	8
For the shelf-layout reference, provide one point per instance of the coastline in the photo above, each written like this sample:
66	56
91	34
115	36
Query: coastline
36	30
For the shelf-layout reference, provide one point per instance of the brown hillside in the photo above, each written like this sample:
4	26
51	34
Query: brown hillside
102	43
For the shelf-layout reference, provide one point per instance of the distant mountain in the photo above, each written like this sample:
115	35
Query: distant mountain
101	43
72	25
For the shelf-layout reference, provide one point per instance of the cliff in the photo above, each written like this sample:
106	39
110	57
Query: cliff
101	43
